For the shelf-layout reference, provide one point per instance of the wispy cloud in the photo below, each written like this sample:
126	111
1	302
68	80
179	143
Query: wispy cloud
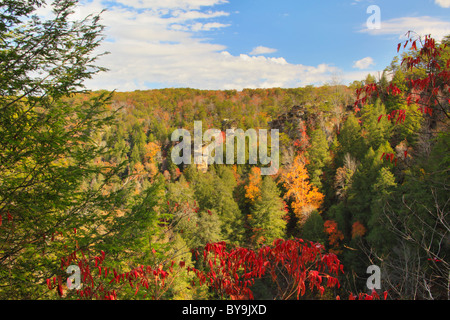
170	4
262	50
421	25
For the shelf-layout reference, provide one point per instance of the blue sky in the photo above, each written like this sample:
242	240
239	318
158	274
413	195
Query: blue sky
236	44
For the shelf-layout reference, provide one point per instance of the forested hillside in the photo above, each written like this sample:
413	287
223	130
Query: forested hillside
87	179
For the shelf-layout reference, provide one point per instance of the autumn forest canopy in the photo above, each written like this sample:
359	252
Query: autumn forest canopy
87	179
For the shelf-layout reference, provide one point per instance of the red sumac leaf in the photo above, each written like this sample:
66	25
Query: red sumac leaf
375	294
49	285
321	290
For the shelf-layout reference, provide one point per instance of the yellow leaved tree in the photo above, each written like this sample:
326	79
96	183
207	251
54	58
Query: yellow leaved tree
252	189
305	197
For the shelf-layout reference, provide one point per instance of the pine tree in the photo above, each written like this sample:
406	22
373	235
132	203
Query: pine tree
138	142
213	194
313	229
196	224
350	141
381	238
361	192
267	214
318	156
376	131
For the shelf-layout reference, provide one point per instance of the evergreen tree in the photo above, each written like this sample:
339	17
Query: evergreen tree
213	194
361	194
350	141
416	216
313	229
318	156
196	225
267	214
381	238
376	131
138	141
52	181
119	146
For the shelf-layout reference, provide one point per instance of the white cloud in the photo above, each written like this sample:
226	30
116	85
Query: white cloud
164	43
421	25
262	50
443	3
170	4
363	63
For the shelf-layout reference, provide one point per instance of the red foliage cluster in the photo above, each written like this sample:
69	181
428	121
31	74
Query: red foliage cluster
364	296
104	284
233	271
423	91
401	115
334	234
228	271
358	230
427	92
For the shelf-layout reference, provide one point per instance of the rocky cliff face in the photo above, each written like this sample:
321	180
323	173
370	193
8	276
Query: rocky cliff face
289	120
